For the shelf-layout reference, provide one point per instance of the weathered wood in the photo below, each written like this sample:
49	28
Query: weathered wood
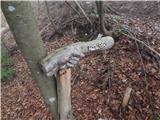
64	94
69	56
21	20
126	97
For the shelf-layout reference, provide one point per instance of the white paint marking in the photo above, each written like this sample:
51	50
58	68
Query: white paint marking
11	8
52	99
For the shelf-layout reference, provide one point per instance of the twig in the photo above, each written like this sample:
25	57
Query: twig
44	28
137	106
84	13
112	10
145	78
72	8
50	18
121	27
74	79
145	82
141	42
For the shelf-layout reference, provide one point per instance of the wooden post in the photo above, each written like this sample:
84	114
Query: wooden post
64	94
61	60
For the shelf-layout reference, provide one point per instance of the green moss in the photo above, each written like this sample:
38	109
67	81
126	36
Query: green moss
6	70
6	73
158	118
5	59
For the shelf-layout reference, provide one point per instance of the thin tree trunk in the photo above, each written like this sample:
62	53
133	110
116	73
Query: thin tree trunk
102	28
22	23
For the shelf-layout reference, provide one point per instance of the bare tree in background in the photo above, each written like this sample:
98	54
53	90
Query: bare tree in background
56	29
102	28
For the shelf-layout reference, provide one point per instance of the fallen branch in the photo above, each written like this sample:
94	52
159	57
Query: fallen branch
71	54
44	28
65	58
137	105
50	19
127	29
141	42
126	97
72	8
113	11
145	82
84	13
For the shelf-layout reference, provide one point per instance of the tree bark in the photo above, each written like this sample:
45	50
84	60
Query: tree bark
102	28
22	23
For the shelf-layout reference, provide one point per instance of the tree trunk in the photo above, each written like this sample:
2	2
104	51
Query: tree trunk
102	28
22	23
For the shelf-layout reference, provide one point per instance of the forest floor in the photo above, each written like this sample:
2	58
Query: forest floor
99	81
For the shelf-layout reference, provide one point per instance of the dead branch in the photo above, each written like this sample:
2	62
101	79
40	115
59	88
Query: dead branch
130	34
141	42
113	11
123	31
134	38
72	8
84	13
137	105
44	28
126	97
65	58
50	19
145	82
69	56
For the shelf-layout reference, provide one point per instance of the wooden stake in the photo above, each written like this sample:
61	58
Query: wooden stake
126	97
64	94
